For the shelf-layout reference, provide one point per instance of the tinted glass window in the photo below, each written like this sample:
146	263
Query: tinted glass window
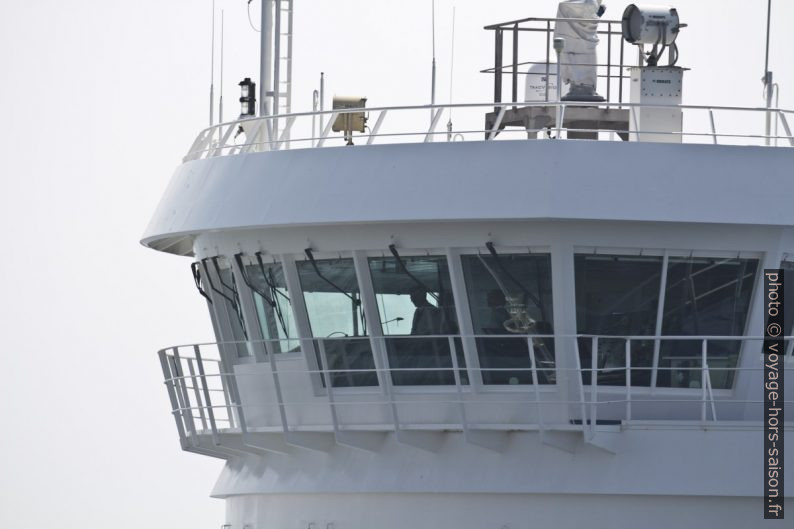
273	306
510	299
333	303
704	297
788	292
417	311
617	296
227	303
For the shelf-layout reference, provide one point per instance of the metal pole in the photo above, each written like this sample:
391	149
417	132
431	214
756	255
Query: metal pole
212	68
220	99
515	65
433	74
768	76
276	64
264	56
322	99
559	45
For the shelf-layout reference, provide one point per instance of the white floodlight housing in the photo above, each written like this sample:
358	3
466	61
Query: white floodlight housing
650	24
656	25
350	122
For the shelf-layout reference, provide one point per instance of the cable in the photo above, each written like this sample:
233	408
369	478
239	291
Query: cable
251	22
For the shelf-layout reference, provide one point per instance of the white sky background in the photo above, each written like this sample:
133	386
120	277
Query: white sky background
98	101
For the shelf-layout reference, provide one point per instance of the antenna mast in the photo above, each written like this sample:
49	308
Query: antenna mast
212	67
220	100
451	76
768	85
433	79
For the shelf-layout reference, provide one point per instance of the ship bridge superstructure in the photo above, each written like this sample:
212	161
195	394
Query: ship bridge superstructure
545	299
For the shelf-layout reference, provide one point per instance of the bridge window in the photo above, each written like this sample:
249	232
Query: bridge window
333	302
417	313
617	296
704	297
788	315
273	306
788	285
510	299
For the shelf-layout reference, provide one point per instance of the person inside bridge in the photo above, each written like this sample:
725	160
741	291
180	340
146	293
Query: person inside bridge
427	318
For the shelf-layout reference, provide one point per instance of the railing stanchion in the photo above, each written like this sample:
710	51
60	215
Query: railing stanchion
498	123
633	114
199	404
282	408
703	363
582	405
609	59
593	386
433	123
535	383
376	128
183	397
515	66
711	395
169	386
784	121
207	399
713	127
329	387
453	353
548	59
628	379
657	344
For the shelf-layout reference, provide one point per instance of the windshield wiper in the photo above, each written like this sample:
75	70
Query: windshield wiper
393	250
232	301
510	276
194	268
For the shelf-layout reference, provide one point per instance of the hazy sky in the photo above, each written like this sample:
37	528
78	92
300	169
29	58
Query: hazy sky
99	100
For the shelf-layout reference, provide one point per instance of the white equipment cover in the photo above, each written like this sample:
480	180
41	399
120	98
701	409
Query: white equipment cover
581	39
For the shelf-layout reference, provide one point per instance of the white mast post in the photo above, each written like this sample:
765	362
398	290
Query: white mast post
212	68
433	79
220	98
264	56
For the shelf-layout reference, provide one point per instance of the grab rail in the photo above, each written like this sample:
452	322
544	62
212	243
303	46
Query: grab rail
316	399
218	140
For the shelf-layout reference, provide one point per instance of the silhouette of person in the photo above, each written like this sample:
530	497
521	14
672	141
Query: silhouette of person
496	301
427	318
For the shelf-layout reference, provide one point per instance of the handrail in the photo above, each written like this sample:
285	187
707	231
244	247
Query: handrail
218	141
534	405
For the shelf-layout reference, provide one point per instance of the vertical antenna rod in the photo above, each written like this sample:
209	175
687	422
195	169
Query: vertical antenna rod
433	80
451	77
768	85
220	99
212	67
322	99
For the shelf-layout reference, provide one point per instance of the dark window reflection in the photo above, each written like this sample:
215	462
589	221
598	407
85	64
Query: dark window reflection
228	285
617	296
333	302
704	297
510	298
415	299
273	306
788	293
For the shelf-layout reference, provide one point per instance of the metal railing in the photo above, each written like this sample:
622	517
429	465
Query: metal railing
441	387
610	68
408	124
